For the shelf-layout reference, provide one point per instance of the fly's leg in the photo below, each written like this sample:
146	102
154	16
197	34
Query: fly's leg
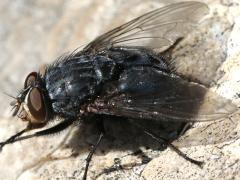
12	139
185	128
161	139
180	153
144	157
57	128
89	157
94	147
167	54
117	166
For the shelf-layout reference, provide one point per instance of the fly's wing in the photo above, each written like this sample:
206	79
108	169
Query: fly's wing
146	93
156	29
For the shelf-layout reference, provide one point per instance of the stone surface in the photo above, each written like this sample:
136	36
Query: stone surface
37	32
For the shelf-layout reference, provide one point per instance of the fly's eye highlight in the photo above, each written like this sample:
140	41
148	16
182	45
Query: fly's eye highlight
30	79
36	105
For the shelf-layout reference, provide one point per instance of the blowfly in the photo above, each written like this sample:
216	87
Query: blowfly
122	73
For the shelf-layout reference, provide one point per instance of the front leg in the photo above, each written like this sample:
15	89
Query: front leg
17	137
13	138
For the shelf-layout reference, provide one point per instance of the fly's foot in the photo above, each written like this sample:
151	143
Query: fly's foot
1	146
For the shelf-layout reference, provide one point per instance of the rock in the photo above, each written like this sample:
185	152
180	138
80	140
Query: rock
33	33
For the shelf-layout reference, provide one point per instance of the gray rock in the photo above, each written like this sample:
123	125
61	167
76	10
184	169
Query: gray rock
37	32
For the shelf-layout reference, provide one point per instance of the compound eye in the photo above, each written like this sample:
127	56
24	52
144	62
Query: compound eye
30	79
36	105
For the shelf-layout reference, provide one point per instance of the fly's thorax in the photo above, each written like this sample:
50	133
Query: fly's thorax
73	81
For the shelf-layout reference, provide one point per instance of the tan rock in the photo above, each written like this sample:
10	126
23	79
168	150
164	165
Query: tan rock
37	32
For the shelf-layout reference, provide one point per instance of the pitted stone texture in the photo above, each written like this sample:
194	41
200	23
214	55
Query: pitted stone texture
37	32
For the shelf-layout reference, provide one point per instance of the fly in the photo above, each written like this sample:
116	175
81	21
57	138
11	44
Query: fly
120	74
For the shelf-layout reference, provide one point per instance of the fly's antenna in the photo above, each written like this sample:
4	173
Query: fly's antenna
9	95
15	104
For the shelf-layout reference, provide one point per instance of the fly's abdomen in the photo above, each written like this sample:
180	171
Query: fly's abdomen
71	81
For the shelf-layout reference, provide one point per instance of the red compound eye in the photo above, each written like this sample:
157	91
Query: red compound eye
36	105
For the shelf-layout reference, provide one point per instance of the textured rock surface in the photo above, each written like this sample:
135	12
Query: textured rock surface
36	32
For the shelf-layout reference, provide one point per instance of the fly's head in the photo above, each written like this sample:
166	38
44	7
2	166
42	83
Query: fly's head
31	103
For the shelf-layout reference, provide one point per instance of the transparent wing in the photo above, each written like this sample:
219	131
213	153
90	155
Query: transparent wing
150	94
173	106
156	29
